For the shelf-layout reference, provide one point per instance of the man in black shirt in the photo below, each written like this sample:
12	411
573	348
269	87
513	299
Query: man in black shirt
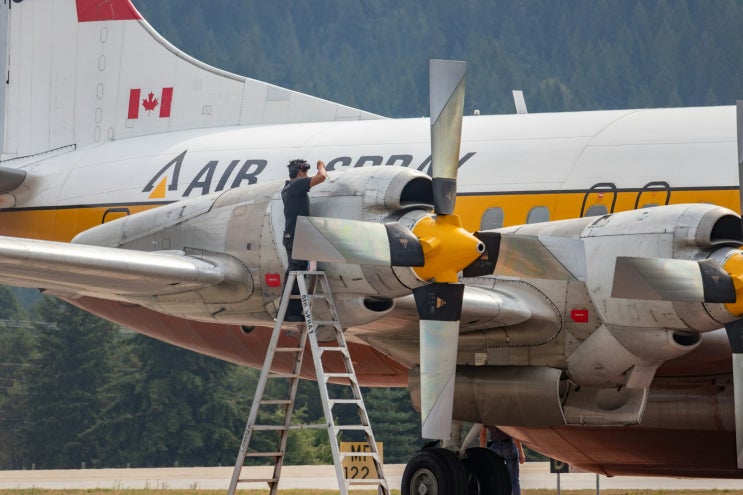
297	202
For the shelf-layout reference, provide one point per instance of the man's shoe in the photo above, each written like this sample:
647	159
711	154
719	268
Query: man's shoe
293	317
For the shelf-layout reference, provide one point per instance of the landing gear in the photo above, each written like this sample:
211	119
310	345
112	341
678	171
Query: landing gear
486	473
434	471
438	471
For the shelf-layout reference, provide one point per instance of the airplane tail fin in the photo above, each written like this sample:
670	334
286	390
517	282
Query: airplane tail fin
81	72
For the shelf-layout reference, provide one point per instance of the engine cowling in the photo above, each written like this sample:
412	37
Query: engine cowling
637	335
243	227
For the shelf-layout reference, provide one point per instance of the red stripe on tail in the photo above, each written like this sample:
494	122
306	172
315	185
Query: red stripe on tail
167	97
134	95
111	10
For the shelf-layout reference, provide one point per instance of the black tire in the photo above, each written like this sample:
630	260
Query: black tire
457	472
486	473
434	472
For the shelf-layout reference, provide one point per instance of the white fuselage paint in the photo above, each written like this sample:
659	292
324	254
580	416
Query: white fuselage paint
499	154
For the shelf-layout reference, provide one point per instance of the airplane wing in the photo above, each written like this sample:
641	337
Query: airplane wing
107	273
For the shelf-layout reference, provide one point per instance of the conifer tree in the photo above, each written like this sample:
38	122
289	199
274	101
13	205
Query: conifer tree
70	367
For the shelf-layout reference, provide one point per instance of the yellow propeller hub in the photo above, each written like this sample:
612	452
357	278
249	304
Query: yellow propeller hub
734	267
447	248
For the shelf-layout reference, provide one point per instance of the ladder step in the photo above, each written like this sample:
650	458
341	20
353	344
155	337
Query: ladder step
339	375
258	480
334	349
308	427
346	401
270	427
329	323
289	349
365	481
282	375
359	454
352	427
277	402
264	454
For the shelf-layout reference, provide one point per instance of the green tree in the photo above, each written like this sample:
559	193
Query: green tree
173	407
396	424
69	369
16	347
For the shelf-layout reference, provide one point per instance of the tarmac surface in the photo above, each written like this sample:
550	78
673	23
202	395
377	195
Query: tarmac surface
533	475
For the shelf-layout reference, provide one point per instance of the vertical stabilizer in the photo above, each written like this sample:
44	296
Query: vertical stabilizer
81	72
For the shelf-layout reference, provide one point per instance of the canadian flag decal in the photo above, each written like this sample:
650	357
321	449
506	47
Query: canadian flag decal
150	102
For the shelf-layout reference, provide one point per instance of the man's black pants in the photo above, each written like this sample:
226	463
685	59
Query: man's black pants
294	309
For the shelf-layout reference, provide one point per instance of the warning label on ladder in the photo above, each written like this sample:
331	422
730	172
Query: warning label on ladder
359	467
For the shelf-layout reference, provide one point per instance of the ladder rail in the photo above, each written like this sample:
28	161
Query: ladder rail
313	286
260	389
289	412
325	399
327	403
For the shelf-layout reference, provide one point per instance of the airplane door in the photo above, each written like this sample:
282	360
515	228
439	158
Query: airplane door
653	194
114	213
596	200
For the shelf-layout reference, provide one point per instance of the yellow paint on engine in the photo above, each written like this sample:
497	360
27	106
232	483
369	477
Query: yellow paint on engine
445	259
734	266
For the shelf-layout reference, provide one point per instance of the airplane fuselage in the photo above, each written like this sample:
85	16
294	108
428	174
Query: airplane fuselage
554	166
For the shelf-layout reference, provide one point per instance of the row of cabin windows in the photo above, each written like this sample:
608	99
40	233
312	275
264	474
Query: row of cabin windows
493	217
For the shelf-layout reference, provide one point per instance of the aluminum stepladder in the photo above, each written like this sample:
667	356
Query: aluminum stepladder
313	288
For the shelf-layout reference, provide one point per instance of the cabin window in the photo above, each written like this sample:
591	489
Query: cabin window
492	219
538	214
597	211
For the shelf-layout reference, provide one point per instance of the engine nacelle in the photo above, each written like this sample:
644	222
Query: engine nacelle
688	232
242	229
637	335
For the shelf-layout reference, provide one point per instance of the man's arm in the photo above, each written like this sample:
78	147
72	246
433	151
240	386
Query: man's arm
520	448
321	174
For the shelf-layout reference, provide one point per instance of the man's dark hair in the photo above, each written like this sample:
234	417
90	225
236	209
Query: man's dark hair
296	165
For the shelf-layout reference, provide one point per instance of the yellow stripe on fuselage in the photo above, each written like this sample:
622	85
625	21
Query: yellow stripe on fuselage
62	224
565	205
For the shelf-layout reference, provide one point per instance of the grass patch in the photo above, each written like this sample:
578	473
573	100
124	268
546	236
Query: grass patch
151	491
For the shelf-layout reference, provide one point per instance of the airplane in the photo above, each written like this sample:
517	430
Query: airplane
571	277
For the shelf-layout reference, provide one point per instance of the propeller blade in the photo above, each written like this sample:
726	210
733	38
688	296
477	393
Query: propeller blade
735	335
351	241
663	279
446	93
527	256
440	308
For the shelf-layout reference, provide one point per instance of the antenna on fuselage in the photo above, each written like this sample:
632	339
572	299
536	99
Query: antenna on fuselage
518	100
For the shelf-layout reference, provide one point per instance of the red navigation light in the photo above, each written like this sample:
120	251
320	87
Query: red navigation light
273	280
579	315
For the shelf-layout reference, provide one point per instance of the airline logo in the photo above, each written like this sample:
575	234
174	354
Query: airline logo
234	172
149	103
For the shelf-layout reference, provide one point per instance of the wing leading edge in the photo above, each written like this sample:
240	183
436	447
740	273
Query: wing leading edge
102	272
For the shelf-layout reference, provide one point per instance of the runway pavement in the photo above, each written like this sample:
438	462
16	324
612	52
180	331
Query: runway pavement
533	475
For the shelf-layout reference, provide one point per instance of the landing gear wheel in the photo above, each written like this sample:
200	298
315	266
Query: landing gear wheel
434	471
486	473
